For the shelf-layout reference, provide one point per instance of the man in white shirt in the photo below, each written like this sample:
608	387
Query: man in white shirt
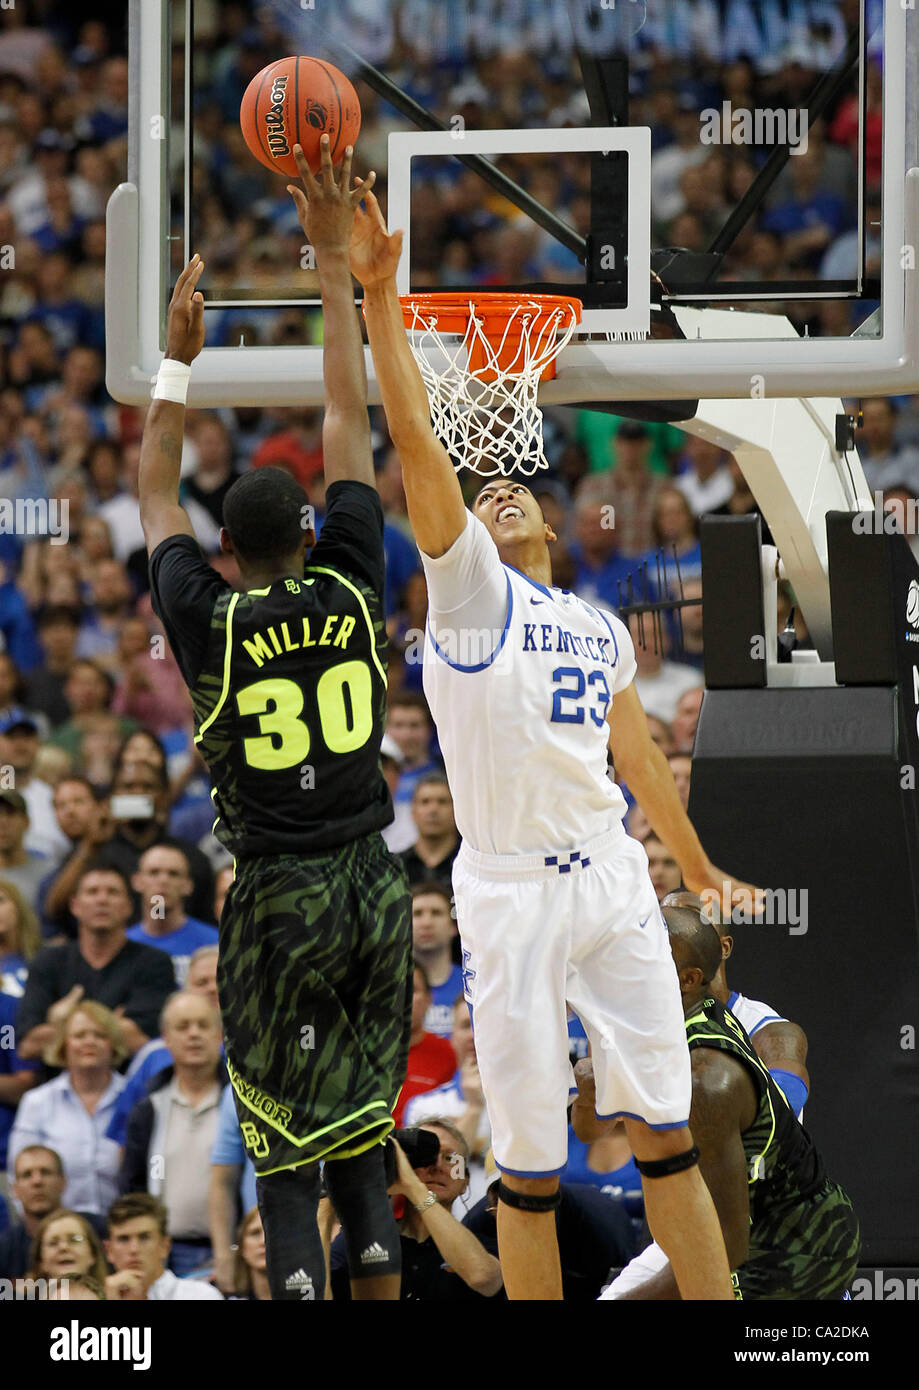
121	513
669	164
138	1247
707	483
28	198
659	681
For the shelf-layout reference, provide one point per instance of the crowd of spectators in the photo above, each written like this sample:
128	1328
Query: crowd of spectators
127	1172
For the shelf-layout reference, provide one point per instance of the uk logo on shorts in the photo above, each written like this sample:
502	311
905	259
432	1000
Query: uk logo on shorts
468	977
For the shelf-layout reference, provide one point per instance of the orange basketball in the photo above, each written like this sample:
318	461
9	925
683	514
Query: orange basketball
297	101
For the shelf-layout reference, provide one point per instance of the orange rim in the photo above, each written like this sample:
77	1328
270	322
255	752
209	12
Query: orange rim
451	311
496	308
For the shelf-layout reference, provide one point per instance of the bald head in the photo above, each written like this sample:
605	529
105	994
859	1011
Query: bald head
695	945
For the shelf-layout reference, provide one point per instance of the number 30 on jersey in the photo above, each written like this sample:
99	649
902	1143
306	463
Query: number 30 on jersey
344	695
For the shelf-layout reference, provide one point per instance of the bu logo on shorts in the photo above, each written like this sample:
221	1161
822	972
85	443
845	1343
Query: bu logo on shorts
565	863
255	1138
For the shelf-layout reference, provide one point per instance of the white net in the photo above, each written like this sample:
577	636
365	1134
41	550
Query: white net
490	425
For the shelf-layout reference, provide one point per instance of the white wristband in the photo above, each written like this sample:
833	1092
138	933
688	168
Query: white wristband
172	381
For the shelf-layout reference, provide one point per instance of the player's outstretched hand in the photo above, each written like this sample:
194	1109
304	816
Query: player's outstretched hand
326	206
375	252
722	894
185	324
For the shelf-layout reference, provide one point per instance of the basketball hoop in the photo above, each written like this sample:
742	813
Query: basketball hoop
482	388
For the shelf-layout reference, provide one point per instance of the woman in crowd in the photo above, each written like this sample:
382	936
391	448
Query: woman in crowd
66	1246
72	1113
250	1280
20	938
674	529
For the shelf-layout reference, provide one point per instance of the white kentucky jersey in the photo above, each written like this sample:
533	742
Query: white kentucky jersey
751	1014
520	694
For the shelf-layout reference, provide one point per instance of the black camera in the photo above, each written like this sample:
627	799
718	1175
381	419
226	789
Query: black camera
420	1146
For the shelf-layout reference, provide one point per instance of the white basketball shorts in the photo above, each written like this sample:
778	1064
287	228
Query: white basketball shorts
637	1272
582	929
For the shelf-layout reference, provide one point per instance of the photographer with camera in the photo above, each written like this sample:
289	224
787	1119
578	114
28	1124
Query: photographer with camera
441	1259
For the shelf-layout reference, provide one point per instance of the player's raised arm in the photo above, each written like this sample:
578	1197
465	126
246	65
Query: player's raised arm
642	765
435	503
326	210
161	447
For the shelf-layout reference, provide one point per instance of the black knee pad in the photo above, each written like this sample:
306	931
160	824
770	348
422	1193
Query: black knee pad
529	1201
664	1167
357	1187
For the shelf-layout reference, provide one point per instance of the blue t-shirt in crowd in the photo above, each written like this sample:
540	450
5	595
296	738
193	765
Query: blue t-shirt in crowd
156	1059
690	568
623	1182
401	563
14	972
439	1017
229	1148
409	779
20	639
578	1042
602	585
10	1062
181	944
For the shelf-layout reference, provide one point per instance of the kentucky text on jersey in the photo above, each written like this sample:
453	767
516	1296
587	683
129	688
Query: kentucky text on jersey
279	639
470	646
539	637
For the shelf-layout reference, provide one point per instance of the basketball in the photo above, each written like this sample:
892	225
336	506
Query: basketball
297	101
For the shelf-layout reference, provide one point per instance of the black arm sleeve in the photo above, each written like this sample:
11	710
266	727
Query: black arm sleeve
351	538
154	979
183	591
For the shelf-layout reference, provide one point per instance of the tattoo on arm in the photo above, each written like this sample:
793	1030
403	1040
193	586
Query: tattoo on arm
171	447
779	1043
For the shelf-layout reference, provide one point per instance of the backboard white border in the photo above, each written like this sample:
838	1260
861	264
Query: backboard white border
137	285
635	141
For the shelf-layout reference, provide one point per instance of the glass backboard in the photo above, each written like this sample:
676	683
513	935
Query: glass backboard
717	162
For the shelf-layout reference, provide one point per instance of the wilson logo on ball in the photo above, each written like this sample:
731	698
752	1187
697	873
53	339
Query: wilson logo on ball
274	118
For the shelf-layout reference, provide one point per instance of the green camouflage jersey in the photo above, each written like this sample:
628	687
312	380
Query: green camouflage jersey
803	1232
